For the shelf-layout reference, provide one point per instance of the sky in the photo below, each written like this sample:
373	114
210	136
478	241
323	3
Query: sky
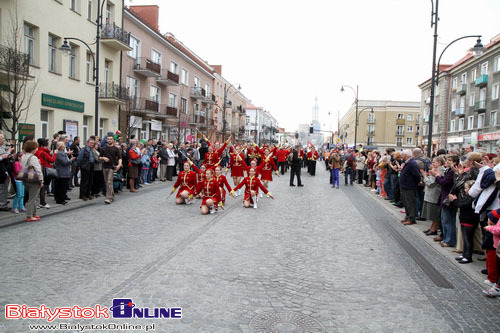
284	53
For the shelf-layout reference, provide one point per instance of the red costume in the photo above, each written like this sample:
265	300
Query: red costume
213	158
237	163
266	168
201	174
282	155
312	156
187	182
251	183
222	180
209	189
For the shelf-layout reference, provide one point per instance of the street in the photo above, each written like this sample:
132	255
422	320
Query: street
316	259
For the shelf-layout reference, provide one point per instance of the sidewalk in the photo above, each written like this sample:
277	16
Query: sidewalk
8	218
473	270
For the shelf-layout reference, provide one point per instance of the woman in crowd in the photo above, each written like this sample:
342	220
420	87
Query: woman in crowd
134	160
431	208
46	159
360	165
335	167
63	167
98	179
29	159
18	204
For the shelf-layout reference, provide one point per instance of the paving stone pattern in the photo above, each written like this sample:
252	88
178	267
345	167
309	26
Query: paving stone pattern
315	254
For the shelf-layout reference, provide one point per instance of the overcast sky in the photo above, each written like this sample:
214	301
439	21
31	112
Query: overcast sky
286	52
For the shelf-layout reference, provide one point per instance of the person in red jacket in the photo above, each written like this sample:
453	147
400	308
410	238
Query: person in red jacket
134	160
212	157
266	168
312	156
222	180
47	159
282	155
237	165
252	185
187	182
209	192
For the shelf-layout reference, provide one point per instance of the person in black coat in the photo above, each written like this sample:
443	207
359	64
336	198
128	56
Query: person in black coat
295	166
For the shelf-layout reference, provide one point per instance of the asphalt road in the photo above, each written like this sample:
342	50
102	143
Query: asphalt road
316	259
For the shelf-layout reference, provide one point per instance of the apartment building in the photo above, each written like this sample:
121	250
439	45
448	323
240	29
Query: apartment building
64	97
260	125
171	88
391	124
467	108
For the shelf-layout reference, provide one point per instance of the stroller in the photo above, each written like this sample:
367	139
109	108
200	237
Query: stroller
118	181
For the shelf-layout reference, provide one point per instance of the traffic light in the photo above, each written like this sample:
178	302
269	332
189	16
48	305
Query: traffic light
311	129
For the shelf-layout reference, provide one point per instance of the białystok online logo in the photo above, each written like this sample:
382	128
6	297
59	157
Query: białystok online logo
121	308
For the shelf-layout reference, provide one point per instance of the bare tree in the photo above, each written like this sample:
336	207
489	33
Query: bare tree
19	87
127	110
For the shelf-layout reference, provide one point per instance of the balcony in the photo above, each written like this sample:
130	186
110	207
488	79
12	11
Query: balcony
480	106
197	120
197	93
400	133
481	81
151	105
171	111
13	65
400	121
370	132
461	89
145	105
147	68
399	144
113	94
460	111
209	98
115	37
168	78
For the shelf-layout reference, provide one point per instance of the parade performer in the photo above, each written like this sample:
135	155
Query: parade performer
266	168
209	191
251	154
222	180
213	156
237	165
187	182
312	156
282	155
201	174
253	164
252	185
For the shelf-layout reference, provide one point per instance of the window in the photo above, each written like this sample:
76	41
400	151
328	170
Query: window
493	119
52	54
371	129
174	68
482	95
156	57
29	42
145	131
399	141
435	126
74	5
399	130
371	117
454	83
425	130
89	10
247	120
184	105
369	141
101	128
472	99
453	104
463	78
107	71
480	120
452	125
473	75
461	124
484	68
44	123
154	94
494	91
72	62
409	141
470	122
172	100
184	77
410	117
496	65
197	82
135	44
108	13
85	128
207	89
410	129
401	116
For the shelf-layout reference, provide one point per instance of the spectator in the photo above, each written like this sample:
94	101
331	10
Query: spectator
85	161
75	148
112	162
46	159
63	167
409	180
18	204
30	160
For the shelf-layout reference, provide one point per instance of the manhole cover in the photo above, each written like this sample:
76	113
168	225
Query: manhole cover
281	322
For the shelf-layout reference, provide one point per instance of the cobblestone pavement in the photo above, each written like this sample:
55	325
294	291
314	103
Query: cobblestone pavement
316	259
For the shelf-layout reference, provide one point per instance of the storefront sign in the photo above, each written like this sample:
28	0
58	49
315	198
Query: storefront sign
488	137
25	130
62	103
71	128
156	125
456	139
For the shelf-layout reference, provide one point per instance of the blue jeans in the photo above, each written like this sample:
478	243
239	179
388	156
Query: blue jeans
144	175
349	172
448	223
18	202
420	200
149	175
335	177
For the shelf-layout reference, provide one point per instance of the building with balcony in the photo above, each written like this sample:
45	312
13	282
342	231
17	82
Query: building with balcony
171	88
466	110
260	125
392	124
64	98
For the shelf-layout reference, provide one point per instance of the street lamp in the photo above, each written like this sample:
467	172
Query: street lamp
224	111
356	100
66	48
477	50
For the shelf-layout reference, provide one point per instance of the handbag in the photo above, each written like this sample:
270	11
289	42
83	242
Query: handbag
50	173
28	174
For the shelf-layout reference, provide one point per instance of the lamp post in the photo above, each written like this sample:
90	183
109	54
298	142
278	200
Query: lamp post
476	51
357	119
66	48
224	111
356	100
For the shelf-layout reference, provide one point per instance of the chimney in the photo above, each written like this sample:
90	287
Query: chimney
147	13
217	69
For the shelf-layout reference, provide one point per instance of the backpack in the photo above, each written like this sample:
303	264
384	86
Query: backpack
350	161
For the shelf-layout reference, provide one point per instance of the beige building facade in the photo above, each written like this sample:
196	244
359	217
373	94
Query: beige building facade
64	97
392	124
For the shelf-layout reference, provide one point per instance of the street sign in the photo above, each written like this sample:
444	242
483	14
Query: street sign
25	130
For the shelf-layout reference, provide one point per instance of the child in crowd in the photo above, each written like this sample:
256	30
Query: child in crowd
494	228
146	162
18	204
469	221
154	165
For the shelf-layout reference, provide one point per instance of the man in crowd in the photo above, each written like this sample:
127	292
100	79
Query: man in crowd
85	161
295	167
111	156
409	179
163	154
75	148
